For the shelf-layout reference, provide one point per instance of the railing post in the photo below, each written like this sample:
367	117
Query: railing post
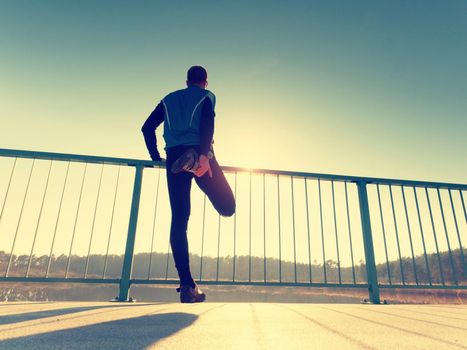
130	241
368	243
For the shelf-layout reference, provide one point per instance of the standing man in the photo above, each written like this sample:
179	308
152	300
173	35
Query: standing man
188	116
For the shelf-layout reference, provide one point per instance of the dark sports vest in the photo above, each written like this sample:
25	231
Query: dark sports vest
183	114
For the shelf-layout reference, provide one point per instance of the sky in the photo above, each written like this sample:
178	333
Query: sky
360	88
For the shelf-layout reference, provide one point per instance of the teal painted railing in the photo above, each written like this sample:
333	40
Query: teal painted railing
77	218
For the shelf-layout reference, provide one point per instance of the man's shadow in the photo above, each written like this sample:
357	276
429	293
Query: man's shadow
34	315
132	333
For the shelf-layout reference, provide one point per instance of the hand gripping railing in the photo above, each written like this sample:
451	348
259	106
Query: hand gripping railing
64	218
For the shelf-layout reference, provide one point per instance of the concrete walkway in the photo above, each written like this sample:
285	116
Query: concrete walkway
87	325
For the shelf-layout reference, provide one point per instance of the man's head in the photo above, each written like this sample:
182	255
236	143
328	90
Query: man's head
197	75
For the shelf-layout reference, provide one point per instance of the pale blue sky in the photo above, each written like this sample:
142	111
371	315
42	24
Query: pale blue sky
362	87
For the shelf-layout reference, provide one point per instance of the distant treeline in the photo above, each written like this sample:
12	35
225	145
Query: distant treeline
160	266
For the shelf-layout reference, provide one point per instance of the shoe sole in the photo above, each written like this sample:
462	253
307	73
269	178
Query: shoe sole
181	162
193	300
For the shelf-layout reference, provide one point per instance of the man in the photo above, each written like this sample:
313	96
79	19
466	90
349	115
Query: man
188	116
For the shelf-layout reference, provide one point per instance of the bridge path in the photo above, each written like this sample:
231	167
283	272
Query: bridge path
284	326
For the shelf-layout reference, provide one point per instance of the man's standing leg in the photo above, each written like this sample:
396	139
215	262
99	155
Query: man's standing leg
179	186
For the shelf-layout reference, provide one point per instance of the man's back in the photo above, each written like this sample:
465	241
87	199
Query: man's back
183	110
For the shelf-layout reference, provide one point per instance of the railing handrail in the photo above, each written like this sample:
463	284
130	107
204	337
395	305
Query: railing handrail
359	182
297	174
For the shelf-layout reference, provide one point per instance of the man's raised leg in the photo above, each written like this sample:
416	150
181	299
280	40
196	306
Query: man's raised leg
217	189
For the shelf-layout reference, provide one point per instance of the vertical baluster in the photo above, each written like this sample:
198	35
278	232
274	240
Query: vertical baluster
218	246
154	222
350	232
293	230
202	240
453	268
38	220
384	233
371	272
410	235
56	222
322	230
434	236
235	230
76	220
464	267
308	231
335	231
264	224
279	227
19	220
94	221
463	205
167	261
249	238
397	235
167	257
127	267
423	238
111	224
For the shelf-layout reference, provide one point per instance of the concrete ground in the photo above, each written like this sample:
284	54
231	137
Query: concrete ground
91	325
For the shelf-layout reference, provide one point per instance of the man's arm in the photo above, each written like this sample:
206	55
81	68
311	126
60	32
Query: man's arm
206	131
206	126
149	131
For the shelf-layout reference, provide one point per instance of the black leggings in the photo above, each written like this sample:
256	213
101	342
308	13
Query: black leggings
217	190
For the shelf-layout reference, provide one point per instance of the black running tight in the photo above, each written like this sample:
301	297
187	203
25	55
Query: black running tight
217	190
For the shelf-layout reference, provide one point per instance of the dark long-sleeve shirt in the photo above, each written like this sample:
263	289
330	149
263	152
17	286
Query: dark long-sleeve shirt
206	128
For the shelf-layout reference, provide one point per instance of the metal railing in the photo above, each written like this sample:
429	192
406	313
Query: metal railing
76	218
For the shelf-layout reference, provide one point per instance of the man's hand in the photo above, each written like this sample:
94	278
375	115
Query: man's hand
157	159
203	166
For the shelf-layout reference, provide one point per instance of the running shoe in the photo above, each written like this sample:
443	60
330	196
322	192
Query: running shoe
188	294
188	161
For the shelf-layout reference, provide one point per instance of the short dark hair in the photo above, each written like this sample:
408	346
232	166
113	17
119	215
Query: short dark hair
196	74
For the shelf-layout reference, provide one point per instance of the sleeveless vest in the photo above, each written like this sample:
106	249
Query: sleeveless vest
182	115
